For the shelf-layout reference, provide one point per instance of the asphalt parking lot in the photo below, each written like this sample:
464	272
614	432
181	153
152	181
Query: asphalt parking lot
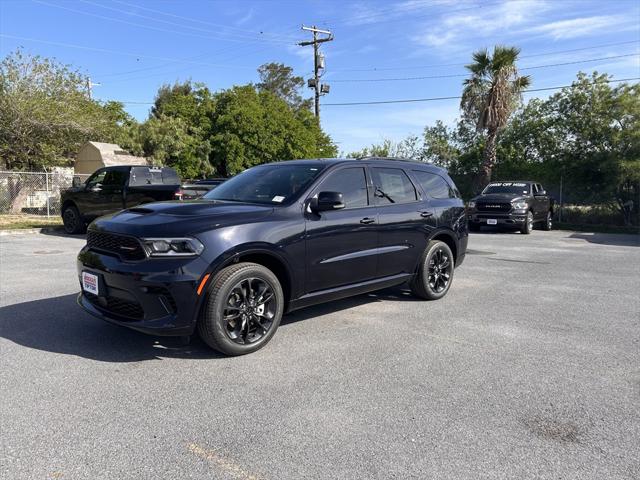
529	368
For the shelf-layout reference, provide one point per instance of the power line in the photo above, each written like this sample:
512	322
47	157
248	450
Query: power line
411	100
149	27
182	25
195	20
401	79
419	67
128	54
366	21
433	99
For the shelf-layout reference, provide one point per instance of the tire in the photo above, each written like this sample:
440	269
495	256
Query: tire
73	223
234	290
426	284
548	222
527	228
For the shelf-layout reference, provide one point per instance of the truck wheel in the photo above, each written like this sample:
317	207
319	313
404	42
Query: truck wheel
548	222
72	220
435	272
528	224
242	310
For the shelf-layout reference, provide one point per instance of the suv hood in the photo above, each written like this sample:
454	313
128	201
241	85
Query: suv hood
175	219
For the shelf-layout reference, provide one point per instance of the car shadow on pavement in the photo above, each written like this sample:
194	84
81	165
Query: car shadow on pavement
616	239
398	294
58	325
59	232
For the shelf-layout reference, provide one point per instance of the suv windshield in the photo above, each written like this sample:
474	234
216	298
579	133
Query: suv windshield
507	187
270	184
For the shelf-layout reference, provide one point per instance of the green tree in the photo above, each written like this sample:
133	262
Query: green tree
170	141
250	127
279	79
46	114
489	97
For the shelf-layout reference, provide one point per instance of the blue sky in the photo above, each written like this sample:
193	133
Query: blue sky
132	47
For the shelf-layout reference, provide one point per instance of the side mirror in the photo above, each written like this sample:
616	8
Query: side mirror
327	201
541	193
96	188
76	182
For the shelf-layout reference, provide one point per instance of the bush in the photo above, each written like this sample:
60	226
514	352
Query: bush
593	215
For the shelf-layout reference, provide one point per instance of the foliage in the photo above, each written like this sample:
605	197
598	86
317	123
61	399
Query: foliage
46	114
489	97
252	127
279	79
407	148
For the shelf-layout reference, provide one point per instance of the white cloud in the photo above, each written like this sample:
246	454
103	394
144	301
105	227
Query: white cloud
580	27
246	17
460	28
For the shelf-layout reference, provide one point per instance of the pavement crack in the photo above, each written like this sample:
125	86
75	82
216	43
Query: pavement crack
223	463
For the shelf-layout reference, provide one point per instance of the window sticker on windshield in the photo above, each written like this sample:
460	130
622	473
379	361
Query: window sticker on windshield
277	198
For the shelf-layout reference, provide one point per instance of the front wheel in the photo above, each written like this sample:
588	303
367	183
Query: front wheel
435	272
72	220
527	228
243	309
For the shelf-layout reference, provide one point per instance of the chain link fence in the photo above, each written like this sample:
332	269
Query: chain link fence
34	193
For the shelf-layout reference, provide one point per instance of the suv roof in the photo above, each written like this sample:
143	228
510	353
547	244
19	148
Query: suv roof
409	163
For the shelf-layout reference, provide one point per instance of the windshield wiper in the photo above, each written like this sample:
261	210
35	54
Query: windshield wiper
380	193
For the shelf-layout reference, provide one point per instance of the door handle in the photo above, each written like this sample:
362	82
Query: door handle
425	214
367	220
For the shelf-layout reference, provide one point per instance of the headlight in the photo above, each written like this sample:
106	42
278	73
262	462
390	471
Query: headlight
472	204
172	247
519	205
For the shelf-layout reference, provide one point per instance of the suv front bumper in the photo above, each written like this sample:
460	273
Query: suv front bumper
512	219
154	296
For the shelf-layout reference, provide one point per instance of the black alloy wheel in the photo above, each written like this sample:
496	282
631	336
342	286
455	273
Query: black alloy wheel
72	221
435	273
440	269
242	309
249	311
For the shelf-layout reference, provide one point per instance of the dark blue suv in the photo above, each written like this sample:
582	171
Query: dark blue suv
275	238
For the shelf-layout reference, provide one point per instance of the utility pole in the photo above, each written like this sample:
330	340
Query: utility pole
90	85
318	64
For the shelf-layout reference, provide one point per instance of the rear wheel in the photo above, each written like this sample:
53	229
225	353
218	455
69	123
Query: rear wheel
243	309
527	228
435	272
72	220
548	222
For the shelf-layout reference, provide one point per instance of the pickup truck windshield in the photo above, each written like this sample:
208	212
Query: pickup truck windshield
268	184
507	187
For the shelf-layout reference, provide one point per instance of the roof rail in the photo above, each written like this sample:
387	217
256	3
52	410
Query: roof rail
395	159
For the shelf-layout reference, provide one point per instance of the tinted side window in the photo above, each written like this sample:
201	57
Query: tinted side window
434	185
351	182
115	178
392	186
96	178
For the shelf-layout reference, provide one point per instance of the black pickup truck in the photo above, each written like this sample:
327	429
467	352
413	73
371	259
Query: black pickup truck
516	205
111	189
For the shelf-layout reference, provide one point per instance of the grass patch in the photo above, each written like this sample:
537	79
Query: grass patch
20	222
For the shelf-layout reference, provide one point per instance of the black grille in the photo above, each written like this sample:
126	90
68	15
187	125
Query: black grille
125	247
117	306
493	207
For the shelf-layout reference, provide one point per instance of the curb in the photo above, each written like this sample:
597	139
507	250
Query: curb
26	231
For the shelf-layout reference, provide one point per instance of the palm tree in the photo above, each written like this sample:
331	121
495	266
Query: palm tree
490	95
